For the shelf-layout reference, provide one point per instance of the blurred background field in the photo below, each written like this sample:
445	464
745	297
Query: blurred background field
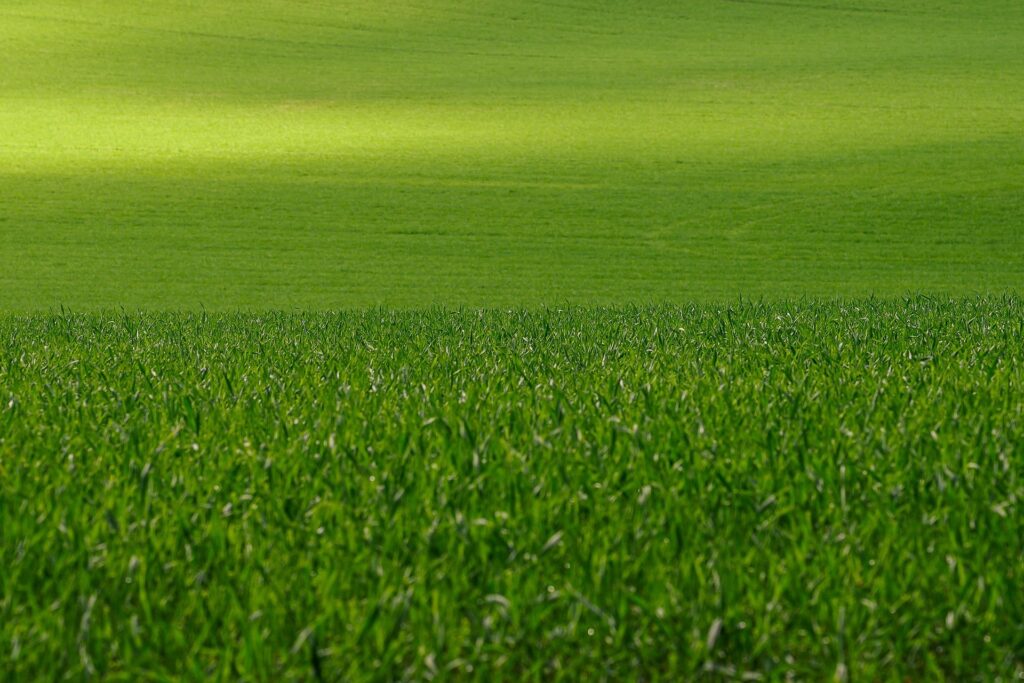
324	155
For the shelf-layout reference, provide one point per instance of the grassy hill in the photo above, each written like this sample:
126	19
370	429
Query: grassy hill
316	154
581	456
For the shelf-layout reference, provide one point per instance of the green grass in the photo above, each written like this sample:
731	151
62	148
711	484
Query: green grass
810	489
322	155
605	472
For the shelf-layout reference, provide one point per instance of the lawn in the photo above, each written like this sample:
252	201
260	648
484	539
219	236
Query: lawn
335	155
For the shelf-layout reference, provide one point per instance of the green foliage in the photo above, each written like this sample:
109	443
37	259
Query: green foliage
304	155
817	489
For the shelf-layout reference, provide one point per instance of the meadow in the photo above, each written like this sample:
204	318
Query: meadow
533	340
820	490
320	155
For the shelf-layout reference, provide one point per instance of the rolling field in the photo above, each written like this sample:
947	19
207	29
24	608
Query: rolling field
322	155
756	492
535	340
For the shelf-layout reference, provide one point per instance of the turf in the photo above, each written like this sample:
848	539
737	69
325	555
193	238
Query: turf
322	155
758	491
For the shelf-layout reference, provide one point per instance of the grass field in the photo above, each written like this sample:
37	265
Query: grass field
322	155
748	492
534	340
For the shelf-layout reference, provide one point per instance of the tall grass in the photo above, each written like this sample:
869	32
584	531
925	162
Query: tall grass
813	490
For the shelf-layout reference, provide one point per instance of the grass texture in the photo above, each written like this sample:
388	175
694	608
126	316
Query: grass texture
750	492
301	155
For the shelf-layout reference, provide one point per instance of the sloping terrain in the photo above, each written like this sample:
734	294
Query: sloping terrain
315	154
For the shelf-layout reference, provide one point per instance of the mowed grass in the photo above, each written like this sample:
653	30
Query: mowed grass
324	155
755	492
